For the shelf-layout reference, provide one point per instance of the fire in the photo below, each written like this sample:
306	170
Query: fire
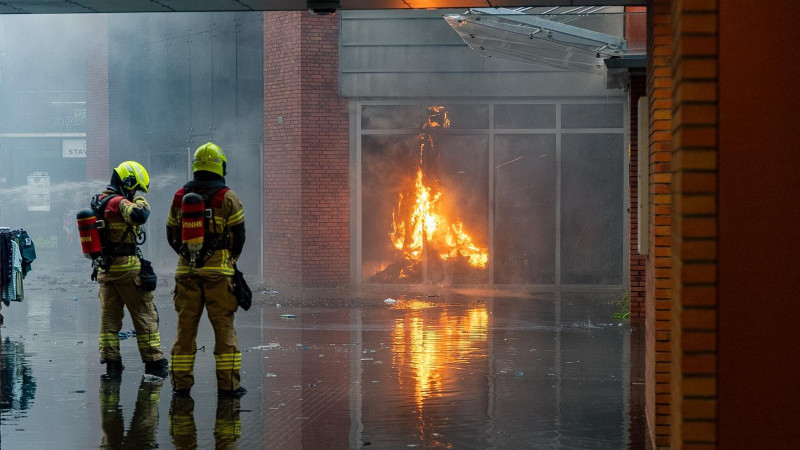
425	226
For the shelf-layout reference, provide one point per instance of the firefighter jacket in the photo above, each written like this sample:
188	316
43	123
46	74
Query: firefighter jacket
221	245
123	223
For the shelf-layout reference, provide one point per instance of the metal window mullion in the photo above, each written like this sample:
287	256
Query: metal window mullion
491	195
558	198
358	191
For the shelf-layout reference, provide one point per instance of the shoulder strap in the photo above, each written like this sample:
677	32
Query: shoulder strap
176	201
101	201
218	197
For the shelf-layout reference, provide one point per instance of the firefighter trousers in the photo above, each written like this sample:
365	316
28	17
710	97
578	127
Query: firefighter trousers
114	297
215	293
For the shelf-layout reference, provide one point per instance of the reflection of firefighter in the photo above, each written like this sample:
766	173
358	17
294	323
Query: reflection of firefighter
183	430
123	212
205	227
142	430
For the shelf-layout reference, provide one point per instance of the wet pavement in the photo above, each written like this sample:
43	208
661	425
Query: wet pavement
330	369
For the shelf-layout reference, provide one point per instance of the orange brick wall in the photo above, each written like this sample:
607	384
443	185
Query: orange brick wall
694	237
659	262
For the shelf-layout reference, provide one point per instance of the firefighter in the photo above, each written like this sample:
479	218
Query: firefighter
208	244
123	211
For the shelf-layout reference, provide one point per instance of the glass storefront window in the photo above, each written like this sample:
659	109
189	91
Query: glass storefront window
511	193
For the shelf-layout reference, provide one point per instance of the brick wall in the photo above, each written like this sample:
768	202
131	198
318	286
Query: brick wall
694	93
97	125
637	263
659	261
306	130
282	148
326	156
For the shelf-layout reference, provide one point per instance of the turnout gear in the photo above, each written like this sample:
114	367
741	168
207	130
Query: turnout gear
205	281
210	158
123	214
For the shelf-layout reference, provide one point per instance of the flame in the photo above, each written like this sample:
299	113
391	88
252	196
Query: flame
426	225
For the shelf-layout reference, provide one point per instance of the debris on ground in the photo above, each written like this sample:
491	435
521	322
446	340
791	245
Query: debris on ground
390	301
126	334
152	379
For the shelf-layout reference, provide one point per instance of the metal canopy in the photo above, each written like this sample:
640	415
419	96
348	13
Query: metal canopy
568	38
127	6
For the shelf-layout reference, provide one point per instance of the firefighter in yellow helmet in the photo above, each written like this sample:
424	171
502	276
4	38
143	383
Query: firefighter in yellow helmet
208	235
124	211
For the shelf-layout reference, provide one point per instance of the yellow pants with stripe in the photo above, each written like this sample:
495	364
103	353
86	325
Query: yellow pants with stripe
116	295
214	293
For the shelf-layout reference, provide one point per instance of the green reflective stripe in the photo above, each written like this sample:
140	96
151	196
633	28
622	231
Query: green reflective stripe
146	340
181	425
109	340
182	363
128	263
228	428
228	361
109	400
236	217
183	270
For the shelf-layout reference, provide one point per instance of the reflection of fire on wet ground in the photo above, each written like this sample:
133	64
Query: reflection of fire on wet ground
431	245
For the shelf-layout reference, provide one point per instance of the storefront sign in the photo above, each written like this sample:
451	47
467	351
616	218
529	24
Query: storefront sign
76	120
73	148
39	191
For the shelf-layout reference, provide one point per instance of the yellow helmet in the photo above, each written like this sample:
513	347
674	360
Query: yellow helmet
133	176
211	158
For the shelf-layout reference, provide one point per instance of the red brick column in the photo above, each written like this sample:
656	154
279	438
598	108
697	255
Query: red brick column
306	152
659	261
282	148
97	124
637	87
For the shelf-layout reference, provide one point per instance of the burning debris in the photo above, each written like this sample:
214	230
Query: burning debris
430	243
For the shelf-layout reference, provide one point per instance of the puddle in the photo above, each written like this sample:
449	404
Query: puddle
452	371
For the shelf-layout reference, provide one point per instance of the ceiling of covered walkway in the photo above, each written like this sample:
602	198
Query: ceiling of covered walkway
126	6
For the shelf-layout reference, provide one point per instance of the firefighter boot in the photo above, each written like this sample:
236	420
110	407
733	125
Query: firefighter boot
114	369
158	367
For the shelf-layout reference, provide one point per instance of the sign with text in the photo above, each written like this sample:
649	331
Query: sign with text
39	191
73	148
